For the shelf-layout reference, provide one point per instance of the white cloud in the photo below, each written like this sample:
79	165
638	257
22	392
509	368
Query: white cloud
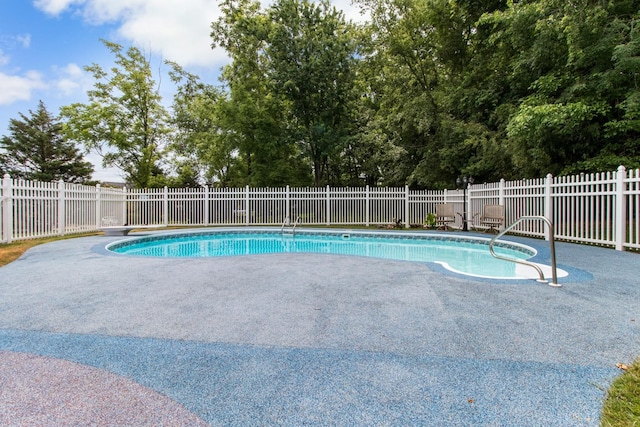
178	30
19	88
24	40
72	79
100	11
11	41
55	7
4	59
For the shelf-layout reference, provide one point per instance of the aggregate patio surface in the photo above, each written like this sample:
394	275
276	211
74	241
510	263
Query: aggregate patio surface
92	338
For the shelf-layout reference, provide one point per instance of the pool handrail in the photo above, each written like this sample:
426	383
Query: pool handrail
287	221
284	222
554	273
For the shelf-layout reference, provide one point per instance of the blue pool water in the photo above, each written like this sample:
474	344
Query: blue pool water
469	256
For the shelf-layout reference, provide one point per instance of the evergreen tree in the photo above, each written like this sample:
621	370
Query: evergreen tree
36	150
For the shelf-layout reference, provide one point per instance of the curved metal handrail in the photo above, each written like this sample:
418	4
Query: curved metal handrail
287	221
554	274
295	223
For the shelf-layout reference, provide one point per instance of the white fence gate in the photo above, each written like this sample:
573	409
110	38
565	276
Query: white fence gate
602	209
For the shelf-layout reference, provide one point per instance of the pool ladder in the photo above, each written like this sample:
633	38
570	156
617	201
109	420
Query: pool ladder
554	272
291	230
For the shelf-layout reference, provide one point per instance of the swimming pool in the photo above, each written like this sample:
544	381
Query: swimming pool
465	255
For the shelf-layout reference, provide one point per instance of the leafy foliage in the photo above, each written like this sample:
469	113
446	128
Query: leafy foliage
290	83
311	53
197	139
561	82
124	121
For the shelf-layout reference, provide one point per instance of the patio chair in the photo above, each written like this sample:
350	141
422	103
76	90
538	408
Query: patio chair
444	216
492	217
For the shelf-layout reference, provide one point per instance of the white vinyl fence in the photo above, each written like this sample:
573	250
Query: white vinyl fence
602	209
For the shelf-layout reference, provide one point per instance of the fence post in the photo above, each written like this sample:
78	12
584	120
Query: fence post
406	206
548	202
501	192
165	206
328	207
621	207
206	205
7	208
98	207
246	200
368	201
125	220
287	205
61	208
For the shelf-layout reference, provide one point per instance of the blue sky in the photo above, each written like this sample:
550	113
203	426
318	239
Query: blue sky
44	45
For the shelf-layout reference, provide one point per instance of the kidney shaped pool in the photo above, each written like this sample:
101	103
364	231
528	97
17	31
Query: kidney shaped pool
464	255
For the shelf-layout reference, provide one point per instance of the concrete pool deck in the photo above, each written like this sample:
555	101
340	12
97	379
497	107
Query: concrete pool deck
305	339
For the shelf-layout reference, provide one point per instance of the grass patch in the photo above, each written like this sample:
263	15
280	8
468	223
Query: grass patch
10	252
622	406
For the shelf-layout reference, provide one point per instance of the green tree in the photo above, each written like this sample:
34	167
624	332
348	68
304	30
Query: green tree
556	80
201	151
251	117
290	85
417	50
312	52
36	150
500	88
124	120
622	131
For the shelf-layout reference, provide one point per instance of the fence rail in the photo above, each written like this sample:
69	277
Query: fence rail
602	209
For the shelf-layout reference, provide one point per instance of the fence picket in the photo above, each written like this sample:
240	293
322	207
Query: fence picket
601	208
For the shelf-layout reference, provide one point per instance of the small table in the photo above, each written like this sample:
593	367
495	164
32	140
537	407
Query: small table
465	218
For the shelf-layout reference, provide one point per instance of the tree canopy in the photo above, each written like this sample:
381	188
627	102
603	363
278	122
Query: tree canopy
424	92
36	150
124	120
289	86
